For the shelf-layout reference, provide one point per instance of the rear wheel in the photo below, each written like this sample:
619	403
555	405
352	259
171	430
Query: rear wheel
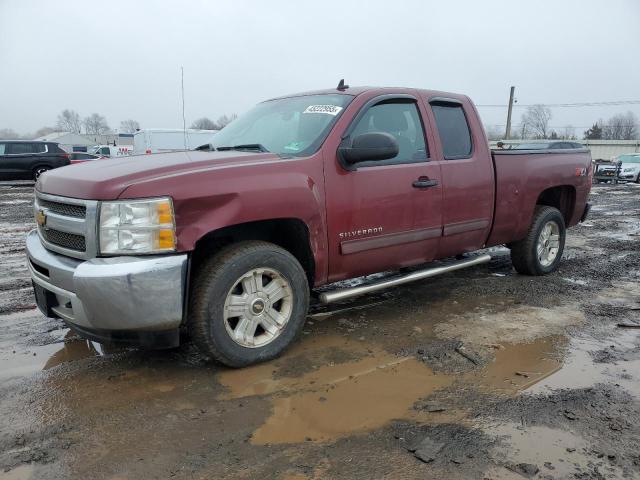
540	251
248	303
39	171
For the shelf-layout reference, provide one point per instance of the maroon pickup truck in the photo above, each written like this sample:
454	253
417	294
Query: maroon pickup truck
227	242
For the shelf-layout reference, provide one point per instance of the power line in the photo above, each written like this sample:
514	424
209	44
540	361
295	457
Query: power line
558	105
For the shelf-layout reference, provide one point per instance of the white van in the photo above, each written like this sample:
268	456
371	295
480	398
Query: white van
112	150
155	140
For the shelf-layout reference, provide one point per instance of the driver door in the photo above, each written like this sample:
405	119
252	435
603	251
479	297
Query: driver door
384	214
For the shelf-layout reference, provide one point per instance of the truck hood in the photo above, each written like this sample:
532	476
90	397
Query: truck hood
107	179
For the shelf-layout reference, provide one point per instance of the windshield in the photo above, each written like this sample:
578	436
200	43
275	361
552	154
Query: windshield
287	126
629	158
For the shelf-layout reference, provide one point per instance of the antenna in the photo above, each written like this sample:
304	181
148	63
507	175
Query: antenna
184	121
341	86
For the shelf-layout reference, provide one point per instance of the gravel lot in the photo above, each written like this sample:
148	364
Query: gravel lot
481	373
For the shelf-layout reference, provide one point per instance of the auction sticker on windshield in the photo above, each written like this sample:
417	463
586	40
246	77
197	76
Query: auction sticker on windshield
327	109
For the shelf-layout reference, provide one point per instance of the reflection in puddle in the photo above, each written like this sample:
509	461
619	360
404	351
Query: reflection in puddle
73	350
20	363
335	399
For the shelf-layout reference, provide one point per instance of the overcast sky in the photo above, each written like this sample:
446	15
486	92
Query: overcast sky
122	58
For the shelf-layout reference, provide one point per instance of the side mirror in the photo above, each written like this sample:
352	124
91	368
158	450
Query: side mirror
370	147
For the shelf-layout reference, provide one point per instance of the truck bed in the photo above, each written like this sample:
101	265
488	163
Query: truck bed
521	176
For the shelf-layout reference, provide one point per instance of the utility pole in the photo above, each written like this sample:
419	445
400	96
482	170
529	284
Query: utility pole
184	120
507	133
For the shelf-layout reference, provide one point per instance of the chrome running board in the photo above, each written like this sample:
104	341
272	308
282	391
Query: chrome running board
343	293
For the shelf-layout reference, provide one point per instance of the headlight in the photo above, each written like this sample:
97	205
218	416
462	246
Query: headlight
137	226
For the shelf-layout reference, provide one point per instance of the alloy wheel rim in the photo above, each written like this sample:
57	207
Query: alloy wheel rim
258	307
548	244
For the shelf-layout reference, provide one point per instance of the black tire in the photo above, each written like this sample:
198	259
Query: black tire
39	171
212	282
524	252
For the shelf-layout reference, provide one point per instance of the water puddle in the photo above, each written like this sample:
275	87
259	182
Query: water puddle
22	361
331	400
579	370
335	399
519	366
557	453
22	472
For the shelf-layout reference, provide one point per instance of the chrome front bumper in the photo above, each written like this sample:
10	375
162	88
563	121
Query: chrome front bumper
124	294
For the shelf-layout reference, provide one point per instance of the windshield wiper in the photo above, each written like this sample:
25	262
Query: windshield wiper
248	146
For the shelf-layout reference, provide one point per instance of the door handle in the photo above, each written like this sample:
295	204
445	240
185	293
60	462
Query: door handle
425	182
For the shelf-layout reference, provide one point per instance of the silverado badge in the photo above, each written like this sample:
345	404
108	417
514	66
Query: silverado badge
41	218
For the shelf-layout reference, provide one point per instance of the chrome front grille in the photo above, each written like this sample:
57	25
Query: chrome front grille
67	225
65	240
77	211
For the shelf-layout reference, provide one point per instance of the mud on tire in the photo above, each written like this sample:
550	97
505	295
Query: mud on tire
233	289
534	254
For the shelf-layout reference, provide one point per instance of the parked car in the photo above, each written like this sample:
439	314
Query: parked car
79	157
547	145
112	150
629	167
300	192
159	140
28	159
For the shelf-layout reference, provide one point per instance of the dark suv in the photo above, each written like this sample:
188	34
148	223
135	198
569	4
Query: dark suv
24	159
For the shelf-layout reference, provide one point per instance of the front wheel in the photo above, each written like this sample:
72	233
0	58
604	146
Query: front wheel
39	171
540	251
248	303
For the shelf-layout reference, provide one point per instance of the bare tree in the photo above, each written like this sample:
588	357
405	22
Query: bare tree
537	119
95	124
223	121
129	126
204	123
69	121
8	134
623	126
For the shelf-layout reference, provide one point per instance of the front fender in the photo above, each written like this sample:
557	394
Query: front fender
206	201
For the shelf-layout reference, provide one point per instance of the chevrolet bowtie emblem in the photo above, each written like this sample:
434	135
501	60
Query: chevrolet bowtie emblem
41	218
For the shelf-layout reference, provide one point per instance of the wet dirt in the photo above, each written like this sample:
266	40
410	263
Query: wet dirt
481	373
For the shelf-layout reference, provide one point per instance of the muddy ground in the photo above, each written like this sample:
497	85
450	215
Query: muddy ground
478	374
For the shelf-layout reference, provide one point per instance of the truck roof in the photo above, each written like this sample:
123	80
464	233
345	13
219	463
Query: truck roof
355	91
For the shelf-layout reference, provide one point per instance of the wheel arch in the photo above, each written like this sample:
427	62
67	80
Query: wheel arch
292	234
562	197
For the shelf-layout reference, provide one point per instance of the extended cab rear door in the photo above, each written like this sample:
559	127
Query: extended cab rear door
383	214
467	174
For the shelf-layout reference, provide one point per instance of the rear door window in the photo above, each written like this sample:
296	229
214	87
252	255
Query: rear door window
453	129
39	147
20	148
